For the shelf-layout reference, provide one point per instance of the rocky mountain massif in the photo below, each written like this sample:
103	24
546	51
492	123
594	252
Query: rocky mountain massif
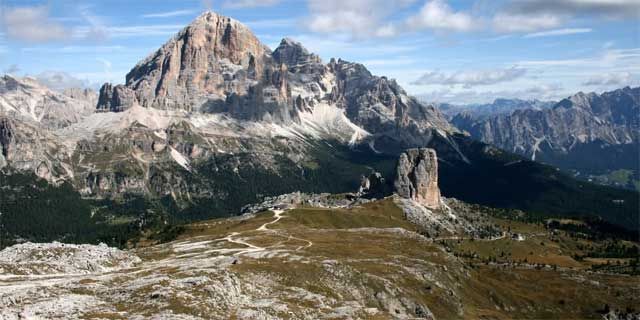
587	133
215	120
488	110
211	96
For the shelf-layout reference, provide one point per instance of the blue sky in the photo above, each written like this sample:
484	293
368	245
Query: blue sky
448	51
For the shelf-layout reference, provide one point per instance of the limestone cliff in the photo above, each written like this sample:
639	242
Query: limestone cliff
417	177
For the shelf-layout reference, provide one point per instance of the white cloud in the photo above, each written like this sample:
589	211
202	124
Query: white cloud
545	92
558	32
602	8
506	22
59	80
375	18
610	79
438	15
31	24
240	4
356	18
96	31
169	14
536	15
471	78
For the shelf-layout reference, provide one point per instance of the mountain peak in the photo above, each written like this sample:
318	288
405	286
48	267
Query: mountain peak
212	18
292	53
198	64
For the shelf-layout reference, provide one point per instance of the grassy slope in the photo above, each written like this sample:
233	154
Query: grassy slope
368	257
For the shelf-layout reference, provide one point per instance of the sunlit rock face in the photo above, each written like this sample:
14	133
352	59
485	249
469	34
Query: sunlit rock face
417	177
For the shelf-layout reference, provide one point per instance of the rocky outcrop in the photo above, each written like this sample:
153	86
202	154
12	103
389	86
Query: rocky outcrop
60	258
115	99
373	186
417	177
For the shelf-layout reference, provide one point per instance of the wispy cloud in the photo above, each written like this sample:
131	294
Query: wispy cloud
472	78
169	14
60	80
240	4
509	22
75	49
133	31
602	8
272	23
539	91
31	24
609	79
608	58
12	69
343	46
558	32
387	62
538	15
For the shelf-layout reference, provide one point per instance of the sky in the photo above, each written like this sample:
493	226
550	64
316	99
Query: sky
442	51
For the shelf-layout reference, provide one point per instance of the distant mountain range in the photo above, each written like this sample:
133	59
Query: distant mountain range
497	107
590	134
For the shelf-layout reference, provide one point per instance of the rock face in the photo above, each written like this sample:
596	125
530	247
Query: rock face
115	99
209	59
417	177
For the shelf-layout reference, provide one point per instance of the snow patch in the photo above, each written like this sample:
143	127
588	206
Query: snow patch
329	120
180	159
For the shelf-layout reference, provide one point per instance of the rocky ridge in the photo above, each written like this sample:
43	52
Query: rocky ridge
612	118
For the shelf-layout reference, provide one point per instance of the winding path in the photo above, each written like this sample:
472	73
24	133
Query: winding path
253	248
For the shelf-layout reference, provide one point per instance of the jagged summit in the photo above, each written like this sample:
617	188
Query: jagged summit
217	65
293	54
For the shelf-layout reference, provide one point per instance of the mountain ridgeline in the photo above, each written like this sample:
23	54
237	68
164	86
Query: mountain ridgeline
214	120
585	133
